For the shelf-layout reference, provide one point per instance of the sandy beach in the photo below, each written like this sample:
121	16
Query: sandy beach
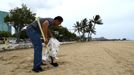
87	58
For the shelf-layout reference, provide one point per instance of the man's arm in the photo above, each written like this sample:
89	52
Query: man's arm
45	30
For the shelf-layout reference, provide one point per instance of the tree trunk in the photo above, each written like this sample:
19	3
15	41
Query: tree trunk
18	34
79	37
88	36
83	36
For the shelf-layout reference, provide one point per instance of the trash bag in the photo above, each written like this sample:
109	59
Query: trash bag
51	50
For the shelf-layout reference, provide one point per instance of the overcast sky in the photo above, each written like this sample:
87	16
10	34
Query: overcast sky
117	15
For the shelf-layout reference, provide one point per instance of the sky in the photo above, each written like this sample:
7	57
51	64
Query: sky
117	15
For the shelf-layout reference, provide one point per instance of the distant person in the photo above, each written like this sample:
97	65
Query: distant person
34	34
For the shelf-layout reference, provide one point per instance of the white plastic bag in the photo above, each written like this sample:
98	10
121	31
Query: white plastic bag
52	50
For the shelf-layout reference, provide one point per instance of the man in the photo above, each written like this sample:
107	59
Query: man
34	34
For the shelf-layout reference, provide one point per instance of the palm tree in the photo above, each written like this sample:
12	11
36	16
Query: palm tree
80	27
90	30
83	27
77	27
86	26
96	20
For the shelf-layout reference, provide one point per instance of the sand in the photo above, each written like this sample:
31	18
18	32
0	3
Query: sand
87	58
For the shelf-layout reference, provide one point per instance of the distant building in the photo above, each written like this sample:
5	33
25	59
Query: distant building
3	25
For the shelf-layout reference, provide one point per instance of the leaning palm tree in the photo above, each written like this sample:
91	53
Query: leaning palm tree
96	20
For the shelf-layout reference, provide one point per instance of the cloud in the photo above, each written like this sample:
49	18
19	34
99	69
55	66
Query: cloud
116	14
7	5
42	4
32	4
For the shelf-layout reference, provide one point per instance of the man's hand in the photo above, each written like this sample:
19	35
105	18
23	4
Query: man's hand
46	42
